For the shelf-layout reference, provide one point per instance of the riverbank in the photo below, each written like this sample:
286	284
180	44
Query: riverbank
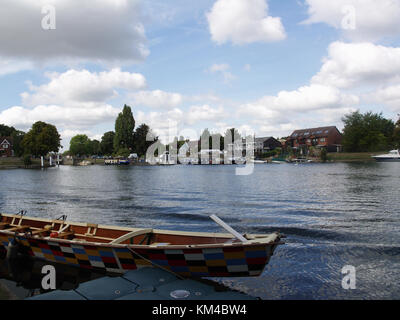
353	157
18	163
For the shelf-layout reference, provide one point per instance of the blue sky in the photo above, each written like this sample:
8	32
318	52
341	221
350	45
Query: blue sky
263	66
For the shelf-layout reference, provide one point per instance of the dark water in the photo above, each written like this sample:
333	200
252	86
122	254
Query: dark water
332	214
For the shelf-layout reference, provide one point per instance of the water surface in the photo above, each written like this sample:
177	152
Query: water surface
332	214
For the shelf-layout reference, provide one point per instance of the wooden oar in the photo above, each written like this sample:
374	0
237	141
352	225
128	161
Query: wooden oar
228	228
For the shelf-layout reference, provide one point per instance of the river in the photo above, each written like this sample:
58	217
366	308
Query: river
334	215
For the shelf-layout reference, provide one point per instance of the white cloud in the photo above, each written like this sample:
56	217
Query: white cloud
109	32
74	87
389	96
8	66
60	116
243	21
313	105
374	19
355	64
204	113
305	99
223	69
157	99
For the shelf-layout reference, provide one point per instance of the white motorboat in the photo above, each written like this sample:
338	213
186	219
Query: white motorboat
392	156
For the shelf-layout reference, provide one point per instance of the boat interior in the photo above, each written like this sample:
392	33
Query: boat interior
87	232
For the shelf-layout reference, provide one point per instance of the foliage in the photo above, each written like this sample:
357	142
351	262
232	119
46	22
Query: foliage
41	139
123	152
27	160
16	135
124	126
140	137
367	132
324	155
107	143
94	147
80	145
269	154
396	135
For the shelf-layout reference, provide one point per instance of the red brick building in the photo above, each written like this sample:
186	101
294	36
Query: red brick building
6	147
324	137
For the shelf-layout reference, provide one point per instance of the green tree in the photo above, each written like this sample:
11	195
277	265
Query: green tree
41	139
80	145
396	135
107	143
367	132
140	137
94	147
124	126
16	136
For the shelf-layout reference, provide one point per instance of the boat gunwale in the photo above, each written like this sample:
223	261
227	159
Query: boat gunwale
257	239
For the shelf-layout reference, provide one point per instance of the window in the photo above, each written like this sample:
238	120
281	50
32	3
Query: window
322	140
5	146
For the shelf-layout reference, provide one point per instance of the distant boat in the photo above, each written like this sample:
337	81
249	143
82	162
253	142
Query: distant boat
118	249
85	163
392	156
109	162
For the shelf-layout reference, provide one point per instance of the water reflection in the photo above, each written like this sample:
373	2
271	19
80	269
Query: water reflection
26	273
333	215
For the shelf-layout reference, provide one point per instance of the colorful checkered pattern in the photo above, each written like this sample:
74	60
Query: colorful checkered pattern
229	261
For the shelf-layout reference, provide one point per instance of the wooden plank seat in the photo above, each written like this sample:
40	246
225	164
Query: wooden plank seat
18	228
4	225
131	235
40	231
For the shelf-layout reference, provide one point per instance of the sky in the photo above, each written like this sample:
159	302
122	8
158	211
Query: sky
266	67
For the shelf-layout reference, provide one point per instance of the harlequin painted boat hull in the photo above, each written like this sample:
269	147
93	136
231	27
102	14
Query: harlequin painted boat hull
115	250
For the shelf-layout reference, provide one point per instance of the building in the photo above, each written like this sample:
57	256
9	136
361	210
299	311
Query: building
258	145
6	147
266	144
329	138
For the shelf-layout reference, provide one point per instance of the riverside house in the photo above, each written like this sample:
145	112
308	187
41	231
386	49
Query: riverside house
6	147
329	138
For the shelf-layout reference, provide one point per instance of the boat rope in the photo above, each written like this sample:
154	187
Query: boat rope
155	264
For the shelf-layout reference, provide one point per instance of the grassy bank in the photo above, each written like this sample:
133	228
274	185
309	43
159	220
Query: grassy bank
353	157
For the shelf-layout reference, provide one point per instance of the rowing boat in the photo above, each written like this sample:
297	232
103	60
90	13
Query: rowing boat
119	249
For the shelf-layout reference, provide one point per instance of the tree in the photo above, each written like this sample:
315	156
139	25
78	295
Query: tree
94	147
140	137
107	143
80	145
16	136
41	139
367	132
124	126
396	135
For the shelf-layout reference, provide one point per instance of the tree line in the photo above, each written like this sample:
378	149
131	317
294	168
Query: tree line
121	142
370	132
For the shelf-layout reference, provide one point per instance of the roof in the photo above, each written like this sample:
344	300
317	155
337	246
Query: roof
7	140
313	132
263	139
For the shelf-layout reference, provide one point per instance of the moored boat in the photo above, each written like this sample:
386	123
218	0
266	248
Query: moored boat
118	249
392	156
